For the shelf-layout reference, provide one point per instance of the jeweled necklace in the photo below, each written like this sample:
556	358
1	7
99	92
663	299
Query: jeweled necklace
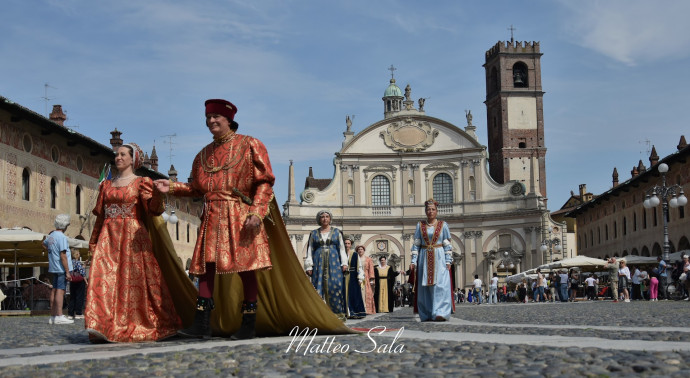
124	178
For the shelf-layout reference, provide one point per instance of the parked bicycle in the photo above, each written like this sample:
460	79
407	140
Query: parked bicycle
674	290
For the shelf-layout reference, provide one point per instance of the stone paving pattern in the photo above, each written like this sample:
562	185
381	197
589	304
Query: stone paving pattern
32	336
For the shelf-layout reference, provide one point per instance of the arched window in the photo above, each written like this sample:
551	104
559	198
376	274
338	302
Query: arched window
53	193
188	229
520	79
598	235
634	222
625	226
380	191
591	238
443	188
606	232
26	189
77	195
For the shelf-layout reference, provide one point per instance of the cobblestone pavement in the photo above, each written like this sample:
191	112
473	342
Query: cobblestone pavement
552	339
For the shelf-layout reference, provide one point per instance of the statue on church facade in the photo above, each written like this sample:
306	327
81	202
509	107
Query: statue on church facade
348	122
468	115
421	103
408	93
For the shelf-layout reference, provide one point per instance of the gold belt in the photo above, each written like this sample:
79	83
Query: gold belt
235	195
220	196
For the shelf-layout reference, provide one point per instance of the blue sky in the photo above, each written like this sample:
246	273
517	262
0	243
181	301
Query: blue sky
614	73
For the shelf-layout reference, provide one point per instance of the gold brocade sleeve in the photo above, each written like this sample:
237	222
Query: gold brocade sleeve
100	216
150	199
263	179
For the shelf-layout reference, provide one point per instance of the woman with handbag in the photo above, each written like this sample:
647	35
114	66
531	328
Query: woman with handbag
77	288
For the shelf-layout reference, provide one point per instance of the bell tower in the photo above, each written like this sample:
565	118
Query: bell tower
515	116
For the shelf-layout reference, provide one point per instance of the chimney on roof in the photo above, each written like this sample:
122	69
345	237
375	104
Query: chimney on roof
311	173
640	167
653	157
583	190
116	141
634	172
147	161
154	159
682	144
57	115
615	176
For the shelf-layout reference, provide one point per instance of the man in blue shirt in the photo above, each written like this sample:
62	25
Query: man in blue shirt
60	265
663	277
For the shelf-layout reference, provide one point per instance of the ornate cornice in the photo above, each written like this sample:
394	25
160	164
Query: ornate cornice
409	135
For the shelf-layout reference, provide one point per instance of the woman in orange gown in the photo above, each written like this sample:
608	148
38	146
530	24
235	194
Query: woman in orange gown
128	299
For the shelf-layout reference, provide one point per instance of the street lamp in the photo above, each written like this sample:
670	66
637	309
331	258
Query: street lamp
551	245
506	258
677	199
172	218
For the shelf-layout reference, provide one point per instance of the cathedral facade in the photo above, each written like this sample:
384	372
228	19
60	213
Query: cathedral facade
493	200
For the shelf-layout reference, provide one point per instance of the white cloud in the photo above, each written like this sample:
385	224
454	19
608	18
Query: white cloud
630	31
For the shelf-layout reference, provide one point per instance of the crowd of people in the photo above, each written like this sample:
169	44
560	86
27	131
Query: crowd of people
619	283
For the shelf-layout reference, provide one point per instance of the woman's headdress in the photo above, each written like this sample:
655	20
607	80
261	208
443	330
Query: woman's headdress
137	155
318	216
430	201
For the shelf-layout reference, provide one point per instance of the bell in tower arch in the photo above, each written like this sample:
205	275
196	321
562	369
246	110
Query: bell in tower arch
520	75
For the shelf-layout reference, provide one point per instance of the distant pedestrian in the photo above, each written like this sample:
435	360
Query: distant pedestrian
539	287
477	291
522	292
589	282
653	287
574	284
60	265
636	284
662	277
553	286
623	278
493	289
613	267
563	285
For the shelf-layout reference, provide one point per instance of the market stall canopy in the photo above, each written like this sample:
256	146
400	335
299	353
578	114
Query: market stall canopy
21	245
583	262
517	278
637	260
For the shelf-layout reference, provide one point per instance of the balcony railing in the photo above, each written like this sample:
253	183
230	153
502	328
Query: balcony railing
381	210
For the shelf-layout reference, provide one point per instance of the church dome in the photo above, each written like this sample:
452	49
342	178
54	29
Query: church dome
393	90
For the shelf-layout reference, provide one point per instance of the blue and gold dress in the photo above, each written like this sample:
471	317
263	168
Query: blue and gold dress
325	257
431	252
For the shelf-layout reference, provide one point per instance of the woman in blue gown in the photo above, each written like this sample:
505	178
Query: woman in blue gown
431	259
326	262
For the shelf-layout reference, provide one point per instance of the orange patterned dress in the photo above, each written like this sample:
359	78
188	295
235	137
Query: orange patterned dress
369	277
127	299
235	179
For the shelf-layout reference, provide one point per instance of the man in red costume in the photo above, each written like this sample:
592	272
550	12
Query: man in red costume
233	175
